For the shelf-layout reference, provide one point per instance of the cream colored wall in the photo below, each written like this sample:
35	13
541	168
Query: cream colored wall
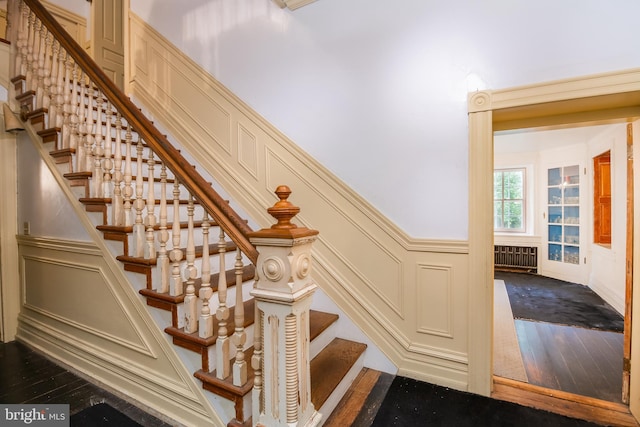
75	24
408	295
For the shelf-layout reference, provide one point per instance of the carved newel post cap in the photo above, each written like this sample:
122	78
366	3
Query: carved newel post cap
283	210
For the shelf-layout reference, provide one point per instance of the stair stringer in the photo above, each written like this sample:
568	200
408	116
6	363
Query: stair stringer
170	389
408	295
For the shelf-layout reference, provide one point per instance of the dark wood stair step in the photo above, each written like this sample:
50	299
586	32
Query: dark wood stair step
193	341
330	366
49	135
213	250
168	302
318	322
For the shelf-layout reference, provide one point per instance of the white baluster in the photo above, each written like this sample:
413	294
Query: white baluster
21	44
89	130
30	50
53	87
138	226
205	293
257	365
128	190
73	110
81	154
190	274
46	99
150	220
239	336
176	253
163	235
66	106
117	202
222	314
39	62
59	100
98	152
107	164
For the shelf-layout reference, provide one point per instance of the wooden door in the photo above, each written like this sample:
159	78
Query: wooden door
107	37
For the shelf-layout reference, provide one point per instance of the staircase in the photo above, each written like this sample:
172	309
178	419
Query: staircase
194	256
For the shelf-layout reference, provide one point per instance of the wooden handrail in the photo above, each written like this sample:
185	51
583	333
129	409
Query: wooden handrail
235	227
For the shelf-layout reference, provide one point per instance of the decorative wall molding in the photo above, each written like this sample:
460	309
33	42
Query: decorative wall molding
75	24
292	4
600	97
363	262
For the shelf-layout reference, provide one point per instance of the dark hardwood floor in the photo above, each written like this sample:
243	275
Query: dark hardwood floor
27	377
576	360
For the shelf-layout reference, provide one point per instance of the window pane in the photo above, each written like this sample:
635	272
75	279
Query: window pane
497	185
513	183
554	176
497	214
512	215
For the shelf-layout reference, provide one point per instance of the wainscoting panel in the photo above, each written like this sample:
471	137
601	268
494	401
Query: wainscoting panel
76	309
362	261
434	289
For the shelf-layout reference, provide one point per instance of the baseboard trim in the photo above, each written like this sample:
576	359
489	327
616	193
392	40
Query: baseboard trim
563	403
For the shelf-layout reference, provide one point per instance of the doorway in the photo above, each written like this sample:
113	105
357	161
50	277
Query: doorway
571	338
596	99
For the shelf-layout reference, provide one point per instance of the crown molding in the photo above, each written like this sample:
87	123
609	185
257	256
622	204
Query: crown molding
292	4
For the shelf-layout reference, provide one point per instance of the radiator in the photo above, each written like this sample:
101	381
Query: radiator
521	258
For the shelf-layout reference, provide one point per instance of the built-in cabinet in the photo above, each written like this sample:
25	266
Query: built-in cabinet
563	214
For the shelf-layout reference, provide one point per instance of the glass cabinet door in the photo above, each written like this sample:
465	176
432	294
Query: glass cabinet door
563	214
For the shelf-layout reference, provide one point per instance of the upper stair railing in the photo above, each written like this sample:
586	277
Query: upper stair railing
127	168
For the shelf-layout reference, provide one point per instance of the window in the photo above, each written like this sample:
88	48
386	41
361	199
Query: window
508	200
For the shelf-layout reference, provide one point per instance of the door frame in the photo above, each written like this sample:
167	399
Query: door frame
602	98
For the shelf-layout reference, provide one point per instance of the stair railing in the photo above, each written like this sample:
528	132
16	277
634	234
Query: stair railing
125	159
124	154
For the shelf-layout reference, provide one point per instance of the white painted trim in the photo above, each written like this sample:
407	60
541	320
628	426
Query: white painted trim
363	262
9	275
565	101
292	4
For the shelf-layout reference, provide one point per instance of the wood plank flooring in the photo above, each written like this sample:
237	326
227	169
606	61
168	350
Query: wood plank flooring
575	360
26	377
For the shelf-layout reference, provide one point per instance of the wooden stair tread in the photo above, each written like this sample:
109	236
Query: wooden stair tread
330	366
182	338
62	153
247	274
126	229
77	175
319	321
213	250
347	351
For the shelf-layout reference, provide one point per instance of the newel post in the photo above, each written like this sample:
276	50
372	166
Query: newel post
283	293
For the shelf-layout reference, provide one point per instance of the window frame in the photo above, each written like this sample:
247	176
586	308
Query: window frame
523	227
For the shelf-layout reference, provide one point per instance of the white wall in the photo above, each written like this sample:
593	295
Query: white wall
41	202
607	272
376	90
